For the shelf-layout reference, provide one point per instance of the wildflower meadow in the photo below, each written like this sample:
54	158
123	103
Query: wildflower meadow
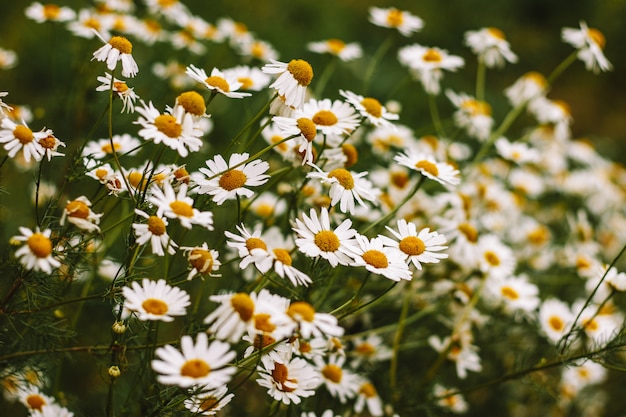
193	222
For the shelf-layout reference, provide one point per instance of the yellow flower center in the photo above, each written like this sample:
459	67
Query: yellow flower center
243	305
262	341
195	368
591	325
492	258
167	3
469	231
167	124
332	373
51	11
106	148
182	175
282	256
509	293
40	245
180	208
372	106
325	118
335	46
154	306
78	209
218	82
208	403
262	322
343	176
192	102
301	310
301	71
255	243
257	50
368	390
412	246
432	55
537	78
597	37
136	179
35	402
327	241
246	82
152	25
156	226
201	260
476	108
395	18
563	106
280	374
376	258
92	23
232	180
264	210
496	33
49	142
539	235
101	173
122	44
23	134
366	349
352	155
400	179
307	128
428	167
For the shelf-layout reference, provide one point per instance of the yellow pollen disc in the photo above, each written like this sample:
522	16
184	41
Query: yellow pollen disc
48	142
218	82
232	180
327	241
469	231
257	50
255	243
262	341
262	322
563	106
101	173
77	209
556	323
246	82
23	134
591	325
432	55
332	373
343	176
167	124
122	44
372	106
181	174
366	349
476	108
180	208
208	403
241	28
335	46
136	178
152	25
40	245
352	155
283	147
496	33
35	402
201	260
428	167
492	258
375	258
597	37
305	347
92	23
280	374
283	256
106	148
412	246
154	306
400	179
395	18
301	71
539	235
264	210
159	178
537	78
509	293
243	305
195	368
192	102
325	118
156	226
583	373
368	390
582	262
301	310
307	128
51	11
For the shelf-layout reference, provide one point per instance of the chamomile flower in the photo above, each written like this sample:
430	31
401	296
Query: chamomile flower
118	48
491	46
89	24
311	324
155	231
590	42
217	82
427	64
251	248
515	293
178	205
155	300
251	78
368	349
447	399
346	187
383	260
79	213
370	108
425	164
555	319
202	261
50	144
102	148
257	49
302	129
317	238
227	181
288	379
36	254
472	115
528	87
340	382
405	22
344	51
19	137
49	13
293	79
121	89
332	118
368	398
518	152
418	247
199	364
209	402
495	258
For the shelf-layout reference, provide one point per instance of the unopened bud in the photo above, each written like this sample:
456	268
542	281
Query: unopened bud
119	327
114	371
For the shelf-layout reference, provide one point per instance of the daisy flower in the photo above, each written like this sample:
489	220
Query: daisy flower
405	22
270	317
52	410
446	399
590	42
36	254
192	103
368	349
383	260
370	108
368	397
495	258
344	51
118	48
199	364
251	78
554	112
293	79
332	118
472	115
288	380
528	87
228	321
155	300
8	59
555	318
208	402
304	131
312	324
177	131
251	248
121	89
517	152
217	82
257	49
281	261
49	13
122	144
340	382
19	137
228	181
417	247
202	261
79	213
179	206
50	144
155	231
427	64
515	294
346	187
491	46
4	108
89	24
317	238
425	164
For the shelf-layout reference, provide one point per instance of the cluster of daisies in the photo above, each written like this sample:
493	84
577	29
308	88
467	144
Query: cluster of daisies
291	215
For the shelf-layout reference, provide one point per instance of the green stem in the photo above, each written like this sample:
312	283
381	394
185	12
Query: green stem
504	126
325	76
402	321
556	73
434	114
250	123
378	55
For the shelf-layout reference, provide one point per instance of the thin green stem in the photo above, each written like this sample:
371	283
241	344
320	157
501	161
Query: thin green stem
378	56
322	80
250	123
434	114
402	321
556	73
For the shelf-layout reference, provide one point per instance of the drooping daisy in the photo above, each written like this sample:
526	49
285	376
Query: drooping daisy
472	115
79	213
118	48
427	64
405	22
293	79
460	350
124	144
528	87
180	206
379	259
217	82
155	300
226	181
201	364
209	402
554	112
331	117
590	42
121	89
370	108
288	379
425	164
19	137
155	231
417	247
49	13
36	254
340	382
317	238
346	187
344	51
202	261
491	46
304	131
312	324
